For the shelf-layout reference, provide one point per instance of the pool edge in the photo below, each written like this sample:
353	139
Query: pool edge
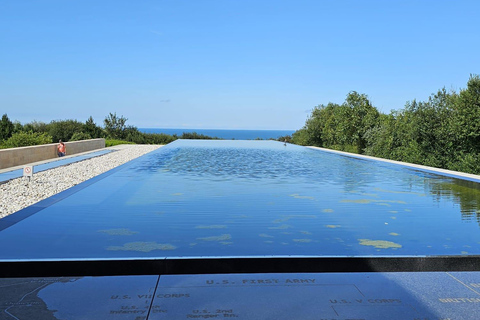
440	171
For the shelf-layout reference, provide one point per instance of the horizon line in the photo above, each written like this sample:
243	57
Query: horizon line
177	128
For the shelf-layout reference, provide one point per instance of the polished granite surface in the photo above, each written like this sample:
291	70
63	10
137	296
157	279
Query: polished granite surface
333	296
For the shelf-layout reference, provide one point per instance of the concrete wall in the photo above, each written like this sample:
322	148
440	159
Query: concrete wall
19	156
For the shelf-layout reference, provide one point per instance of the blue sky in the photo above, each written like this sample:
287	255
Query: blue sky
227	64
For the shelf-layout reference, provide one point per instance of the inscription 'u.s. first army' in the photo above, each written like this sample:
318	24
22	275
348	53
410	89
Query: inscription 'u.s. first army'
261	281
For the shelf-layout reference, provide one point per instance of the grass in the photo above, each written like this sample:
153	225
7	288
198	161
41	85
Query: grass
112	142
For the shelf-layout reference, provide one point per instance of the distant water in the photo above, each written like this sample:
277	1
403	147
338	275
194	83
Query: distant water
225	134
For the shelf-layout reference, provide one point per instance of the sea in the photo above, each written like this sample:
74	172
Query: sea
224	133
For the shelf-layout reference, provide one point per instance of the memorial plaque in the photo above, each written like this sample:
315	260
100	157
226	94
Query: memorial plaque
412	296
77	298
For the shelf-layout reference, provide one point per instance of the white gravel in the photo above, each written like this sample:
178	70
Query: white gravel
20	193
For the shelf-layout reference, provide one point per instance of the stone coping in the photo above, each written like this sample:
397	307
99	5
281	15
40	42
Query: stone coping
13	157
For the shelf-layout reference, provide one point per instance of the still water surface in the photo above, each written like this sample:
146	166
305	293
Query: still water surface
254	198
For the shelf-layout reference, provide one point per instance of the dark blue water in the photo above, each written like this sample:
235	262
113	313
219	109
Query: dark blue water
254	198
226	134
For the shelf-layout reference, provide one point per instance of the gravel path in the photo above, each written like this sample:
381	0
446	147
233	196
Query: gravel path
19	193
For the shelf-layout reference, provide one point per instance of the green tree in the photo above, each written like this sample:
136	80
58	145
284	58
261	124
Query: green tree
420	133
131	133
441	132
467	115
432	128
381	139
341	127
6	128
17	126
115	126
363	117
318	126
92	129
64	129
35	126
300	137
405	143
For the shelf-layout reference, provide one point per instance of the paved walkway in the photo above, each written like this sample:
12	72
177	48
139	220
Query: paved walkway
17	172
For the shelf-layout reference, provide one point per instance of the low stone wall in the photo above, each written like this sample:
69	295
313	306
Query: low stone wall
13	157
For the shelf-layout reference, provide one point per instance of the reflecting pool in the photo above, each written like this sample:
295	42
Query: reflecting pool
253	198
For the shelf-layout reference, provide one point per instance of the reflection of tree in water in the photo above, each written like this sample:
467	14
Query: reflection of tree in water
462	192
310	166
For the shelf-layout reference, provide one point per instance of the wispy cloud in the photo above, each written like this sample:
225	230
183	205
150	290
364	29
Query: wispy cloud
156	32
165	100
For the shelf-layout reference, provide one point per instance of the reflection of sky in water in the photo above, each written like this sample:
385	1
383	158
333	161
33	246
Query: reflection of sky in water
236	198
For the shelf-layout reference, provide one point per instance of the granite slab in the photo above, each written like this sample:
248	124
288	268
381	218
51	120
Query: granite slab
332	296
126	297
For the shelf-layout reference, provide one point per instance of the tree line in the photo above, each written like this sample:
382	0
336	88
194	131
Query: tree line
115	130
442	132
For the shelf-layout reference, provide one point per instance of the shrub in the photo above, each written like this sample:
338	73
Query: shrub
286	138
194	135
24	139
77	136
113	142
159	138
